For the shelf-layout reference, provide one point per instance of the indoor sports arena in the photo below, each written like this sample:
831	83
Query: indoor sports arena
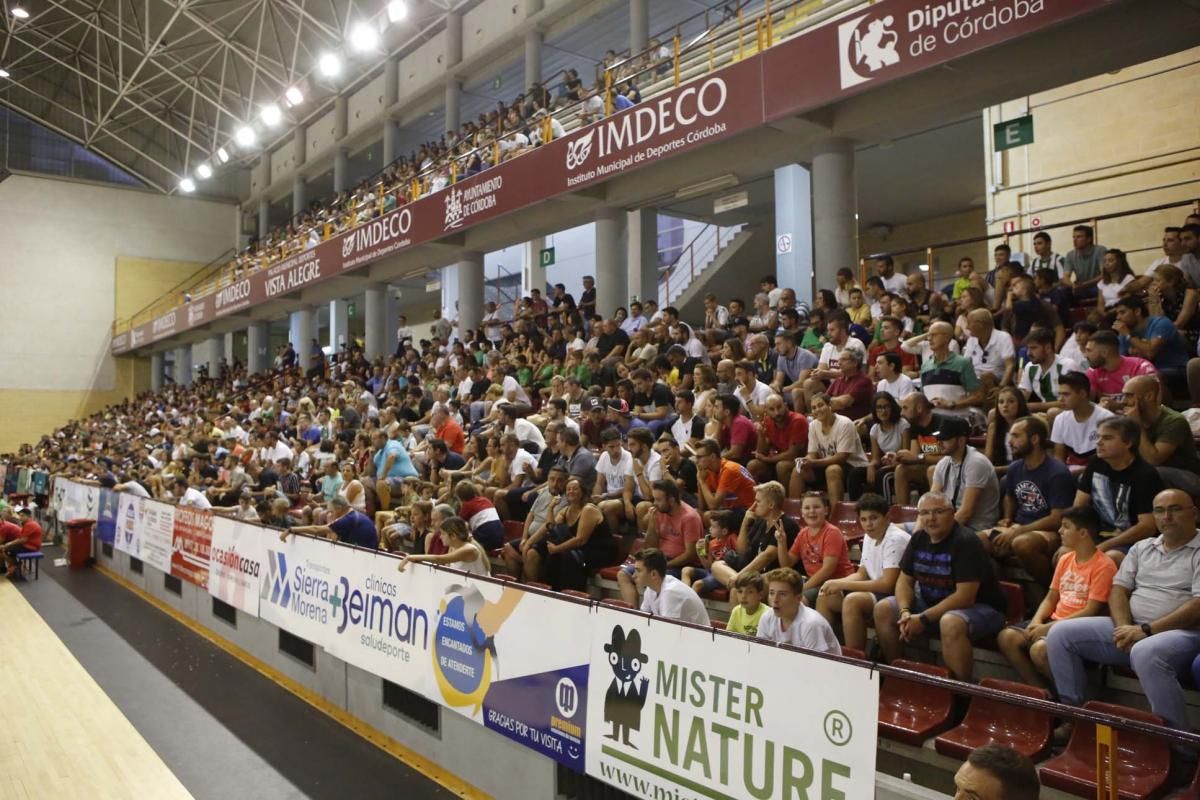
600	399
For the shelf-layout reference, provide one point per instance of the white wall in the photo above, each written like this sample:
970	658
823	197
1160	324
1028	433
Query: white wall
57	265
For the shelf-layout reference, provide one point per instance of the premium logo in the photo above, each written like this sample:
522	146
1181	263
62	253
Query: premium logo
866	45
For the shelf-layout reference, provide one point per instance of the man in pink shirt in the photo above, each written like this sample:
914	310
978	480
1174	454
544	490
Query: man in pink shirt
1109	369
674	529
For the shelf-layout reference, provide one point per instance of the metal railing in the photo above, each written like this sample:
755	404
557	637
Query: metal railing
176	295
720	45
693	260
932	251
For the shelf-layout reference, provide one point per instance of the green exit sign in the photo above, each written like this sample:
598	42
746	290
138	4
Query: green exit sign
546	257
1014	133
350	309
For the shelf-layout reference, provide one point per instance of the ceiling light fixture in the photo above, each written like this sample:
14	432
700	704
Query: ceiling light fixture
19	12
187	185
204	172
245	136
294	96
397	10
223	155
329	64
3	72
271	115
363	37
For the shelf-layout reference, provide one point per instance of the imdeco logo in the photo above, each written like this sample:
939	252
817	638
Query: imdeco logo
579	150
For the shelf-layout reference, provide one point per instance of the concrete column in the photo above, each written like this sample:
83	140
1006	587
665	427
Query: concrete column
391	308
299	146
532	273
453	101
299	195
341	117
532	7
834	210
183	366
216	351
470	291
454	38
341	166
391	141
533	57
375	316
612	287
793	231
391	83
264	219
227	348
258	343
642	253
156	372
339	324
302	326
639	25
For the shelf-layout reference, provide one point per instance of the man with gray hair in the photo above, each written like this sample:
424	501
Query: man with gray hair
345	525
947	582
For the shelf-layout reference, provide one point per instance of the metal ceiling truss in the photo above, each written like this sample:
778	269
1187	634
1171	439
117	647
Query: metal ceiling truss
156	86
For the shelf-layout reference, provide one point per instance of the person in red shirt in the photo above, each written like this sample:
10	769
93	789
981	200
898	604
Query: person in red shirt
820	547
449	431
737	435
851	394
722	483
1109	370
782	438
674	529
890	331
26	539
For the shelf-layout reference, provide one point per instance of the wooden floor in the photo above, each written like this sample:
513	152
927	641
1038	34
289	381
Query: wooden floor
60	734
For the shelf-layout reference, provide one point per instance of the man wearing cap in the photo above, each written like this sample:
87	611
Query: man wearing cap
966	477
594	422
26	539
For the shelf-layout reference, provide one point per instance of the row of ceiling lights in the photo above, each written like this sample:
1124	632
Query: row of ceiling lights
363	38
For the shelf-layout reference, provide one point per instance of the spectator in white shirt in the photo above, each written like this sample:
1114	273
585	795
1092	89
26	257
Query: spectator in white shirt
513	391
186	496
789	621
750	390
892	379
665	595
991	351
894	282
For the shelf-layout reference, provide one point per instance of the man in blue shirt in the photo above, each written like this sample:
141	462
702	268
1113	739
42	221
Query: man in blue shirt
1155	339
1037	489
392	466
346	525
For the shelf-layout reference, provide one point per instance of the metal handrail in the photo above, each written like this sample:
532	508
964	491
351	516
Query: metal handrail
175	291
697	252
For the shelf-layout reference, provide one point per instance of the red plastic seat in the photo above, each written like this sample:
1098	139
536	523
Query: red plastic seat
843	512
854	652
577	593
994	722
609	573
902	514
503	576
615	602
1142	761
720	595
513	530
717	623
1016	602
791	506
1080	313
912	712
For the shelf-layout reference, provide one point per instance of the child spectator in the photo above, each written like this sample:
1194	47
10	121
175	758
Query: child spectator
854	596
749	611
712	547
820	547
789	621
1080	588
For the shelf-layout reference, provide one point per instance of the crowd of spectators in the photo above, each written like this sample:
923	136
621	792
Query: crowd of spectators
1031	419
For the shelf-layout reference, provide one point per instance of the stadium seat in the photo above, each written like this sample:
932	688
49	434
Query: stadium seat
513	529
719	595
609	573
1142	761
1016	602
1080	313
615	602
912	712
902	514
503	576
843	512
994	722
854	652
719	624
791	506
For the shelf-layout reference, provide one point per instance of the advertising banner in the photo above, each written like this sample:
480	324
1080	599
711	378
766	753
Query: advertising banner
191	542
158	534
236	563
130	521
299	588
491	663
106	517
681	713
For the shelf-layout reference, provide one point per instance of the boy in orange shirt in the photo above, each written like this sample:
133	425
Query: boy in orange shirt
820	547
1080	587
